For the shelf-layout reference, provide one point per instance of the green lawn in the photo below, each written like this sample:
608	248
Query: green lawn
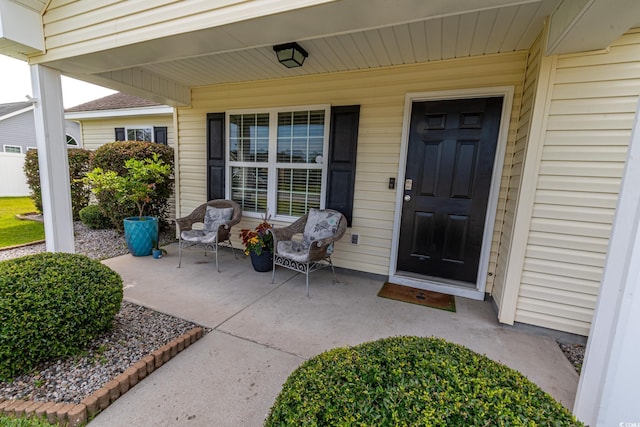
6	421
14	231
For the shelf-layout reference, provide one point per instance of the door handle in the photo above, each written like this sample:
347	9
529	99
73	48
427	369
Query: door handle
407	198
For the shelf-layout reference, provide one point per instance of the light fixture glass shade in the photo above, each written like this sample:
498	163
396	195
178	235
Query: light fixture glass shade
290	55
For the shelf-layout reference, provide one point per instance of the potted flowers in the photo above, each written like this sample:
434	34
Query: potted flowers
258	244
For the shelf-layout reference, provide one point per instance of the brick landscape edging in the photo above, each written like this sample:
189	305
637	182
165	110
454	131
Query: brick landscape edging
73	415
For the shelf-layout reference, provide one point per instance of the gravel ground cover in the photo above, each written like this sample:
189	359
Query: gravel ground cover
137	332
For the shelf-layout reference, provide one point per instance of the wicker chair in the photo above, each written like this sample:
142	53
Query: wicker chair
319	230
208	239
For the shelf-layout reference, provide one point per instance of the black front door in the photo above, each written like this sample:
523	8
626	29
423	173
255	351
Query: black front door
450	158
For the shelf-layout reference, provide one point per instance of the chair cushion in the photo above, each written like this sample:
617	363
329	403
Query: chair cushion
321	224
296	251
215	217
199	236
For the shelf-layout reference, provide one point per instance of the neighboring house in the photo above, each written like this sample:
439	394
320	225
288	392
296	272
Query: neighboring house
17	128
477	146
122	117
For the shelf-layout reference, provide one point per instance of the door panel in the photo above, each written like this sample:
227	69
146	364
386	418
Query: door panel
450	159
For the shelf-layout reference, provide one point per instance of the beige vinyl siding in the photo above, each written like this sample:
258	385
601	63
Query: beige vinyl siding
381	95
74	27
97	132
516	164
592	110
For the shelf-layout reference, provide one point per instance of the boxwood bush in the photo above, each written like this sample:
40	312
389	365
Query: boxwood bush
412	381
52	305
93	217
112	157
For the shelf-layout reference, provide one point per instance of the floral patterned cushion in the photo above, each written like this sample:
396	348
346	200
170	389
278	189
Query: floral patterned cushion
297	251
215	217
199	236
321	224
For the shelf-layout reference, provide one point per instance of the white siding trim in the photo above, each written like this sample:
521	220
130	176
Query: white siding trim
120	112
525	196
608	389
507	93
528	184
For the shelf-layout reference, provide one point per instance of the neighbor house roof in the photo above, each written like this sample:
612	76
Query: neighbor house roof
113	102
13	107
116	105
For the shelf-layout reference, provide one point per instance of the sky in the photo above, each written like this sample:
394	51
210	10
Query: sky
15	83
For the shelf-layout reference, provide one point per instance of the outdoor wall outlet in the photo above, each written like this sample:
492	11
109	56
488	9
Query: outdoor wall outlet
354	238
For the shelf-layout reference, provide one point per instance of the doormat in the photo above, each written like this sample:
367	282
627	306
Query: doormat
418	296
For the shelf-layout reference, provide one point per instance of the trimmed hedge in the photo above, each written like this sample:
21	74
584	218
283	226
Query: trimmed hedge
79	165
112	157
52	305
412	381
93	217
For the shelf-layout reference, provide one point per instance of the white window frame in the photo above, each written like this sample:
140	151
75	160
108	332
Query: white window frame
140	127
5	146
272	164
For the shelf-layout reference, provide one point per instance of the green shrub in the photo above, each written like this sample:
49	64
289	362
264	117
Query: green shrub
52	305
112	157
79	164
93	217
412	381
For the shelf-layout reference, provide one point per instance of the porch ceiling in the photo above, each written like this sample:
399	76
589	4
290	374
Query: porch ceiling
339	35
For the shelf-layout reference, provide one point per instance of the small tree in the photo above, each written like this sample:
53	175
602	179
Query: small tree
137	186
112	157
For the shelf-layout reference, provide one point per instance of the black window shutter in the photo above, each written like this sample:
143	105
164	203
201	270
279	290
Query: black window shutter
120	136
215	156
160	135
343	143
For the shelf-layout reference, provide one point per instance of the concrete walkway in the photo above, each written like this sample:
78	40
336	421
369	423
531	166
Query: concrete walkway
263	331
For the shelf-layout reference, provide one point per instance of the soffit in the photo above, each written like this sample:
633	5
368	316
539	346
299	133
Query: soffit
178	59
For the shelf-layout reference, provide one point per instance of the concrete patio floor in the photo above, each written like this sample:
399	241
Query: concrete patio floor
263	331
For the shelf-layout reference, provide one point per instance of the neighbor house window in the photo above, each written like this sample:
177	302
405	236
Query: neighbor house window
140	134
12	149
276	160
71	141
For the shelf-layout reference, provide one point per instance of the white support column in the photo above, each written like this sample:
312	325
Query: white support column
609	388
52	158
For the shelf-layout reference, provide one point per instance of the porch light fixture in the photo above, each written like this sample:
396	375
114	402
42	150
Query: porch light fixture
290	55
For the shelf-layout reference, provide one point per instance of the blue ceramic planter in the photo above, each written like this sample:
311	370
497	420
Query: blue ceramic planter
140	234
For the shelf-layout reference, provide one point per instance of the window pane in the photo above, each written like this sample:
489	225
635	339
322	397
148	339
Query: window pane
249	137
300	136
71	140
298	191
139	134
249	188
12	149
